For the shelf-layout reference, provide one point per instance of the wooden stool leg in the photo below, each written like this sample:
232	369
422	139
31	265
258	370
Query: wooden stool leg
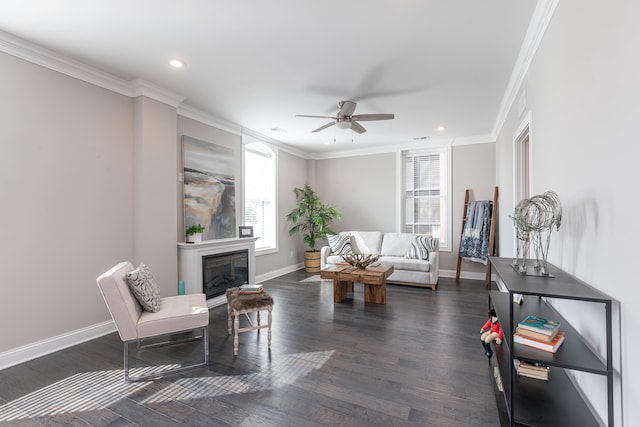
258	320
235	338
269	328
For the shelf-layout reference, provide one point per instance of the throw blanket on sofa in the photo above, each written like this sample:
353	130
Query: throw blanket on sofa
474	244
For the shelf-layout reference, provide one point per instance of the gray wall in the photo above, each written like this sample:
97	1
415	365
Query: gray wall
473	169
292	172
155	183
67	190
364	189
582	91
91	179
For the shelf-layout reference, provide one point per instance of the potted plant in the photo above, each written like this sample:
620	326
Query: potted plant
194	233
311	218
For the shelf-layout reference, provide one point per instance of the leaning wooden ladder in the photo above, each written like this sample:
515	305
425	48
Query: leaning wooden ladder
492	232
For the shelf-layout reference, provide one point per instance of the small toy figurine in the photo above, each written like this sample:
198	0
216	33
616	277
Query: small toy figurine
491	331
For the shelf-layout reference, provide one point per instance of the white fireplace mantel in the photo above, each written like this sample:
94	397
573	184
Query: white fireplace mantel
190	262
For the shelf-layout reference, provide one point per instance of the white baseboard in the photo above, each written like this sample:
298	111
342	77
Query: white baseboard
40	348
276	273
31	351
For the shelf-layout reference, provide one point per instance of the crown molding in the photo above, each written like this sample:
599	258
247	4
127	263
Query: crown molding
39	55
475	139
337	154
537	27
201	116
395	147
279	144
385	149
140	87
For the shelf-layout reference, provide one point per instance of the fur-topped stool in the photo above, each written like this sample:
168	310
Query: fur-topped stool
244	303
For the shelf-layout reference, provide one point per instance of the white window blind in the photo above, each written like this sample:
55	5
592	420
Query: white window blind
260	194
425	193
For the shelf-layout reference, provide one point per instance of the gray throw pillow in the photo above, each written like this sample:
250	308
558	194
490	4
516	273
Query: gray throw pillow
145	288
340	244
421	246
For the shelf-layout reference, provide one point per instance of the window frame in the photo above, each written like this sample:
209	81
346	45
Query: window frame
247	142
445	191
522	166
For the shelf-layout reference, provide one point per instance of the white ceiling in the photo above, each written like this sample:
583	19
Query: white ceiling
258	63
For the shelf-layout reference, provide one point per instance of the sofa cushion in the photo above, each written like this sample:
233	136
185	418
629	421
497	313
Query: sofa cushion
340	244
144	287
396	244
334	259
366	242
181	312
420	246
402	263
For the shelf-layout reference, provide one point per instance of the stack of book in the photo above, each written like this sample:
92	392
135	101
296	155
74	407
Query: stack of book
251	289
532	370
539	333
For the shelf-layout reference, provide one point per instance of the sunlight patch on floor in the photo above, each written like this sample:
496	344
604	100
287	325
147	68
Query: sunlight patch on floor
97	390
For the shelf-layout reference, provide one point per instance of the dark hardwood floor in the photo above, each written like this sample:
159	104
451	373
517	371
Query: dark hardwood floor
416	361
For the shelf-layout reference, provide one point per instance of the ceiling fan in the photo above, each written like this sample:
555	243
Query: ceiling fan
346	120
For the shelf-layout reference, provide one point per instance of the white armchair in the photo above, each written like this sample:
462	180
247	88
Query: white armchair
177	314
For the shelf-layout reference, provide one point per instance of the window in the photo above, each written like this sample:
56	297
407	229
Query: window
426	201
260	194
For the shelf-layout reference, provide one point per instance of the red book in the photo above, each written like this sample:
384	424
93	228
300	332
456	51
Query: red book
550	347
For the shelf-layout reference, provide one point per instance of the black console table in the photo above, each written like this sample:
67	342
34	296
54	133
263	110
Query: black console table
535	402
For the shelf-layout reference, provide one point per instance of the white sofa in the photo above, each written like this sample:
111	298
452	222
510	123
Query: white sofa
392	249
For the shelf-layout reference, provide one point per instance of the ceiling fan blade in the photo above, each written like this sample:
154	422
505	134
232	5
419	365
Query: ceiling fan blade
346	108
317	117
371	117
324	127
357	127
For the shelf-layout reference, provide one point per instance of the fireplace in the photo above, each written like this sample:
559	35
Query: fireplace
192	258
223	271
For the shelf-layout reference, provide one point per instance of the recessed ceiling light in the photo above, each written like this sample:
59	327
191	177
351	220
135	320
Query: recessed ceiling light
176	63
441	128
327	143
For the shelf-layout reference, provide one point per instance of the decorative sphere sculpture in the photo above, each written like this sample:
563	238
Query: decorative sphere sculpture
534	219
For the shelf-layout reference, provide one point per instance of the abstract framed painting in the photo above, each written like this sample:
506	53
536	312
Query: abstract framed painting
209	188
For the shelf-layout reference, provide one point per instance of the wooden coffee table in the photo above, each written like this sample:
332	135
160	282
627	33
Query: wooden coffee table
374	278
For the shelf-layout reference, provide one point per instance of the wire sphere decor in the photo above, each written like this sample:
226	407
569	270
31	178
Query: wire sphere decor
534	219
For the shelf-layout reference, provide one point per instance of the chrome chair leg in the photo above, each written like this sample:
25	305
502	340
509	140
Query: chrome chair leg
164	373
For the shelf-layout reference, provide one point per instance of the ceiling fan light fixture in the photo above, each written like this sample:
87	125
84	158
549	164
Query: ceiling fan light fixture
343	124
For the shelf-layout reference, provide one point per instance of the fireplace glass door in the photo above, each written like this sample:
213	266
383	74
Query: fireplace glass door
223	271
